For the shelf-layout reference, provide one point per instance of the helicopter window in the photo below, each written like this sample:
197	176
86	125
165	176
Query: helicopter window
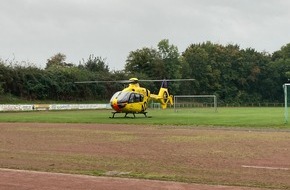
141	97
138	98
132	98
135	98
124	97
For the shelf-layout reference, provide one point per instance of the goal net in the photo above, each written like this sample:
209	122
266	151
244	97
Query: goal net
195	102
286	100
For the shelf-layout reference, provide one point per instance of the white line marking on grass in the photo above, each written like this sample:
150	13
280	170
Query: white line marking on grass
265	167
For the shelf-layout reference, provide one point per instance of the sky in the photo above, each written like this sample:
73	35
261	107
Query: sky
33	31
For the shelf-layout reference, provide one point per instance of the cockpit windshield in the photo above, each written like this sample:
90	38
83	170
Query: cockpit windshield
121	96
129	97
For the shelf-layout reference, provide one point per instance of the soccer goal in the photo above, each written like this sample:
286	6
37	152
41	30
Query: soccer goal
286	102
195	102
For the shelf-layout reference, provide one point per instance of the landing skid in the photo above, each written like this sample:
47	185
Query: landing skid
144	113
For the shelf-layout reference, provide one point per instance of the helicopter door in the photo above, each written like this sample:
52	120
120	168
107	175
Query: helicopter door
135	102
139	100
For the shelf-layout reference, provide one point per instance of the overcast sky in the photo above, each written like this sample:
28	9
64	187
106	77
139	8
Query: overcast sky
35	30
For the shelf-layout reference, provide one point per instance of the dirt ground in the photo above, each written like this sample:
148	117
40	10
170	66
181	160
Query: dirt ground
30	180
215	158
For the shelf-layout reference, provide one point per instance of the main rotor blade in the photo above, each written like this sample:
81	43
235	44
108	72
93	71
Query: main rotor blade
160	80
128	81
102	81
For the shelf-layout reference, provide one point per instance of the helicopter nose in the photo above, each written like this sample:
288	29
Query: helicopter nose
114	105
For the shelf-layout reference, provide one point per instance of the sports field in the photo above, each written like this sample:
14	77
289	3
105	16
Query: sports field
224	117
240	147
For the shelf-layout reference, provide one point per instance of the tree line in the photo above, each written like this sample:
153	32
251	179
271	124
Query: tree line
233	74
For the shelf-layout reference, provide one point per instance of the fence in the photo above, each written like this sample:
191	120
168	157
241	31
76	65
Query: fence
32	107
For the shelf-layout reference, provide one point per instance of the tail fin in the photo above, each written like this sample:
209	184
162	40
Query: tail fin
163	96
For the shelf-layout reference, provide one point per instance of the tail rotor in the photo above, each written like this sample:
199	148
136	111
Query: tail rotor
163	96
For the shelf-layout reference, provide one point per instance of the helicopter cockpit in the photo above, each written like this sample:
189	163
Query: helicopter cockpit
127	97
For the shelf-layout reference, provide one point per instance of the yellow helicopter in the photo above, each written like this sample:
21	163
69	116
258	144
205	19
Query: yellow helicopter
134	99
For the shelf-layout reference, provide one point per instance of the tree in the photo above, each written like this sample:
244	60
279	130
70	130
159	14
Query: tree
277	72
144	62
231	73
235	75
151	63
170	59
58	60
96	64
196	58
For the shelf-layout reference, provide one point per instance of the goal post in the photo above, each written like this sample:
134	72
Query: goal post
191	101
286	88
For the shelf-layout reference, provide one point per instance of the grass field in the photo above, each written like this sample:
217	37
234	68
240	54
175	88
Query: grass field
225	117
